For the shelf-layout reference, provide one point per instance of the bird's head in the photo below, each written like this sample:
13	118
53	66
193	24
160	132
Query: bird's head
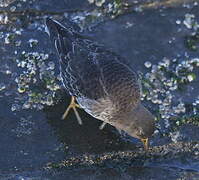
139	123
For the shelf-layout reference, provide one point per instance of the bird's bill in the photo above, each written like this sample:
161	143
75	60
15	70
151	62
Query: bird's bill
145	143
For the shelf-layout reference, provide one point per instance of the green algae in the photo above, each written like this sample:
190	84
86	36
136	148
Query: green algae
192	42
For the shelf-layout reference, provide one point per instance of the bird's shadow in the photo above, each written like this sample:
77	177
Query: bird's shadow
86	138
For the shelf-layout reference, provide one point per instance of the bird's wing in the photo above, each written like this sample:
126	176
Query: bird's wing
120	82
103	73
81	74
90	70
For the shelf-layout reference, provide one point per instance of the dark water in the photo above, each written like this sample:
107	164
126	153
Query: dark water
36	144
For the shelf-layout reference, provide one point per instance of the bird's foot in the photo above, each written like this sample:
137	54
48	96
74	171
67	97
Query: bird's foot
104	124
73	105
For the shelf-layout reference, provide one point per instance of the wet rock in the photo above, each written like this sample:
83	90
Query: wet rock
5	3
36	144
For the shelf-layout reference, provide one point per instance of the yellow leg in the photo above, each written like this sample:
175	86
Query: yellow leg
73	105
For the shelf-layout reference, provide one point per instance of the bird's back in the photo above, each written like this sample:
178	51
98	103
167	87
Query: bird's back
96	76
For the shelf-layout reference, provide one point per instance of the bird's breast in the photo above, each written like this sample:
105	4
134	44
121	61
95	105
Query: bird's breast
102	108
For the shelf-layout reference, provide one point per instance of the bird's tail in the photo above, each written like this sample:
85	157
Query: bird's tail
61	36
67	24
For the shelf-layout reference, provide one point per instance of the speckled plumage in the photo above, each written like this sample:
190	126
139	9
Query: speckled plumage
104	86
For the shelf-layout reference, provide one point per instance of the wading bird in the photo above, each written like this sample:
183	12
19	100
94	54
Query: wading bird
99	80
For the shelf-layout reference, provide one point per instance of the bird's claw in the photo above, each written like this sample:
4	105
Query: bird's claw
73	105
